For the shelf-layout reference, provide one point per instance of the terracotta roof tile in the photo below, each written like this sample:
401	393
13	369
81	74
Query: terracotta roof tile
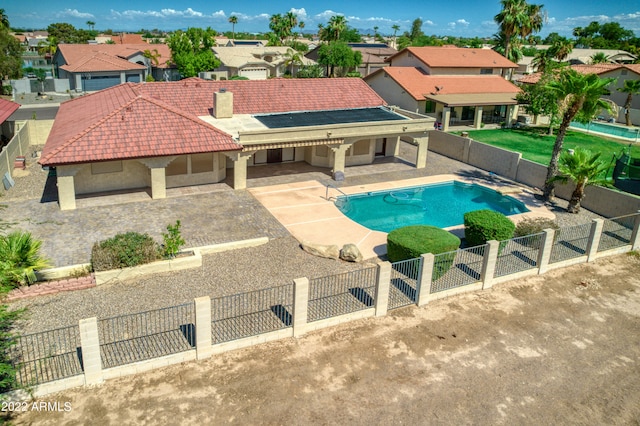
458	57
6	109
584	69
74	53
100	61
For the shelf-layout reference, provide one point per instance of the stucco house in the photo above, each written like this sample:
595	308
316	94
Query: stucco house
374	56
453	85
621	72
254	63
92	67
171	134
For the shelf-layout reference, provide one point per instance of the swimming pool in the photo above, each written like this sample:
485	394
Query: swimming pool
442	205
630	133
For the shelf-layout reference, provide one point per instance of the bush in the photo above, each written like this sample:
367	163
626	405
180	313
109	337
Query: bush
410	242
481	226
173	240
124	250
535	225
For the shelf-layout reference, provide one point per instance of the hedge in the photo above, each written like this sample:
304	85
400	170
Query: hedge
481	226
124	250
410	242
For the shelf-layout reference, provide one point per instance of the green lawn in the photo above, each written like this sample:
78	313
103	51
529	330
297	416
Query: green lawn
536	146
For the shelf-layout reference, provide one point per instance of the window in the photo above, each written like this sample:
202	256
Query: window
430	107
486	71
106	167
177	167
623	72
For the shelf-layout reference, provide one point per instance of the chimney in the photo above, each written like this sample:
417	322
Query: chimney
223	104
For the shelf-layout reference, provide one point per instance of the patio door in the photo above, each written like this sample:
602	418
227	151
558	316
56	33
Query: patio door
381	147
274	155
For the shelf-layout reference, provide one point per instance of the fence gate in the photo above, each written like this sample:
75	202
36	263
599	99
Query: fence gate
404	279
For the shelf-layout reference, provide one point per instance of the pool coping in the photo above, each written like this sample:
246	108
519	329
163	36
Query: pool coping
304	210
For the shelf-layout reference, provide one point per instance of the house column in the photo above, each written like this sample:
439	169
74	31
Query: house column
66	186
240	160
339	154
423	147
158	175
477	119
512	110
446	117
123	77
393	147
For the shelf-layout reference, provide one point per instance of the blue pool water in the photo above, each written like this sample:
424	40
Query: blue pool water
608	129
441	205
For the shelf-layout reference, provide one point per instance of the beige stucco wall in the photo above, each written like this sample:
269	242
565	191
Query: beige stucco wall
133	175
492	159
39	131
356	160
393	93
218	173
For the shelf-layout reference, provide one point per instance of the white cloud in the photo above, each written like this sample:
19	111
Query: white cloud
74	13
326	15
459	23
301	13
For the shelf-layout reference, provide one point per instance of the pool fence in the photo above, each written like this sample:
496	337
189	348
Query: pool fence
96	350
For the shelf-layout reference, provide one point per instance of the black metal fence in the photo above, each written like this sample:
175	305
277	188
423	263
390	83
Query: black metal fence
570	242
404	283
47	356
249	314
518	254
457	268
130	338
341	294
616	232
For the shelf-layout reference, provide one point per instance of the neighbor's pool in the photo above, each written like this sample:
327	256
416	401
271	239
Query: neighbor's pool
441	205
609	129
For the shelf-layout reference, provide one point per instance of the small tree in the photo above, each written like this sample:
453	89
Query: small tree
173	240
631	88
582	167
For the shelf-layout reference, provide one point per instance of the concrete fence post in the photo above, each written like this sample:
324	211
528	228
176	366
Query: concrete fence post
203	327
594	239
424	279
300	305
382	288
489	263
90	344
545	250
635	236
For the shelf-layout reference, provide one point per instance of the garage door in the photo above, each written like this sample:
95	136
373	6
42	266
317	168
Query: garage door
99	83
133	78
254	73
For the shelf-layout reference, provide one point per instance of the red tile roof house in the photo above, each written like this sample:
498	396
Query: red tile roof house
454	85
92	67
621	72
172	134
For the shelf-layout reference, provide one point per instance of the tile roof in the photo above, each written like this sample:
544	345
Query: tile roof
127	39
458	57
418	85
161	118
6	109
240	56
75	53
100	61
598	69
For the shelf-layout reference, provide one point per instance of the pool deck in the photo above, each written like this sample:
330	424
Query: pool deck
307	210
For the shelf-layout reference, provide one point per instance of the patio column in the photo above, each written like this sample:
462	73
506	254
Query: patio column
393	147
158	175
511	114
240	160
66	186
477	119
423	147
446	117
339	152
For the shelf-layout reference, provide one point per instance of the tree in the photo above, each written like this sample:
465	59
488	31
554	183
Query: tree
282	26
338	58
67	33
517	19
233	20
579	98
416	29
91	25
4	19
514	54
20	256
291	59
191	51
395	28
11	59
537	99
582	167
599	58
152	57
310	71
631	88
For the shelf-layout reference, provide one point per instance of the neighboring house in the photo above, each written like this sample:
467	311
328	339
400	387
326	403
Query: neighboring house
453	85
125	38
92	67
374	56
170	134
579	57
621	72
6	127
255	63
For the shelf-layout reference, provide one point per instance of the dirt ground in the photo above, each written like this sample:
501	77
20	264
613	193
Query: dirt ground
562	348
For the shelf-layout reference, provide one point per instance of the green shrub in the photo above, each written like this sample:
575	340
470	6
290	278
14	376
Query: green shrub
124	250
535	225
410	242
19	260
173	240
7	90
481	226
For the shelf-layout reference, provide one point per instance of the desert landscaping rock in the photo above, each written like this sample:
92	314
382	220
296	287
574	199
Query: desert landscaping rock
330	251
350	253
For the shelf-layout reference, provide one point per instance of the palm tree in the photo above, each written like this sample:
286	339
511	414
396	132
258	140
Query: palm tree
599	58
91	25
20	259
395	28
631	88
561	48
233	20
152	58
582	167
291	58
579	97
337	24
517	18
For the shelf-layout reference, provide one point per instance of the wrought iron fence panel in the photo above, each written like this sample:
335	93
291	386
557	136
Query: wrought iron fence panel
616	232
570	242
404	282
46	356
145	335
518	254
341	294
249	314
457	268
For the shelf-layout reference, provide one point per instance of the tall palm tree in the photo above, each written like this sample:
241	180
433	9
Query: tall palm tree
233	20
395	28
579	98
631	88
152	58
292	58
337	25
91	25
582	167
518	19
561	48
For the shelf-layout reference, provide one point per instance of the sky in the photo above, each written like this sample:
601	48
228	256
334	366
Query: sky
463	18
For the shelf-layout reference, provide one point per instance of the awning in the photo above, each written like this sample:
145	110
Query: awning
297	144
474	99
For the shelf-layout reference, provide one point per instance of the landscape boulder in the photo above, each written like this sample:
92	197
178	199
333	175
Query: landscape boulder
329	251
350	253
